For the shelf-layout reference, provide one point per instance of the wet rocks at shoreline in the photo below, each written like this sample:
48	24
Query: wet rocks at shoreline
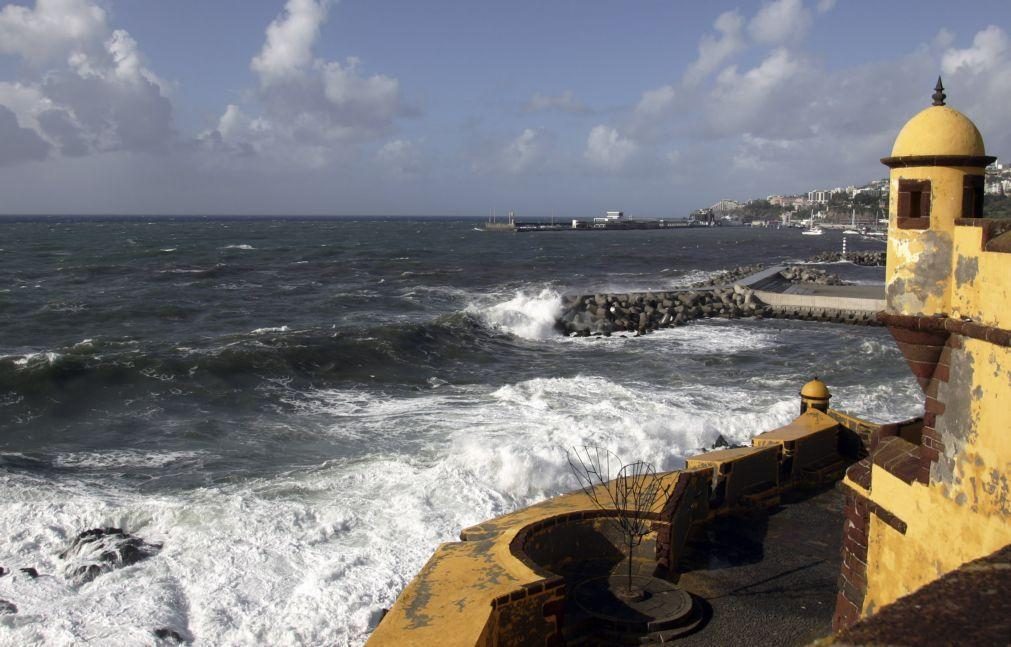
728	277
869	259
810	275
7	608
639	313
100	550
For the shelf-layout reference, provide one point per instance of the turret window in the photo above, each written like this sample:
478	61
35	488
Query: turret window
972	196
914	204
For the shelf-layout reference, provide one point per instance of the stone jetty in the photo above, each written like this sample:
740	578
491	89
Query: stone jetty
870	259
740	296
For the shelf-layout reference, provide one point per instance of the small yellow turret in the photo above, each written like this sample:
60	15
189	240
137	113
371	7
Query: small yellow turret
814	395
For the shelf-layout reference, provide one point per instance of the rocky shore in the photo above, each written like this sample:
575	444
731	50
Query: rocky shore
869	259
638	313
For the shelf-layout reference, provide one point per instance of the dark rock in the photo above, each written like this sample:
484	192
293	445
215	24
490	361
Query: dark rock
7	608
164	633
3	571
30	572
100	550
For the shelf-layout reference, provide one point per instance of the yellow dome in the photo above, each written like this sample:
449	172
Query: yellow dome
939	130
815	389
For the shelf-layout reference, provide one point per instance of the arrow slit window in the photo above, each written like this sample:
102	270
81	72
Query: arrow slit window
914	204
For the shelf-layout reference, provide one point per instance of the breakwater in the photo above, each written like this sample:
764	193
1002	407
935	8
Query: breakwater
869	259
750	295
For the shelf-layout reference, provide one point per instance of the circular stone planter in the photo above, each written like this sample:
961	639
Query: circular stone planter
654	605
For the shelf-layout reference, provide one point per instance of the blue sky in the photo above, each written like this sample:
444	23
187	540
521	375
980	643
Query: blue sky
399	107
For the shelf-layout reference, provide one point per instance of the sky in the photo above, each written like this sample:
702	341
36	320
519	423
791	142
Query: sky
564	108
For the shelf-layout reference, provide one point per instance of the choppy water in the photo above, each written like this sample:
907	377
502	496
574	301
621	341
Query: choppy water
300	411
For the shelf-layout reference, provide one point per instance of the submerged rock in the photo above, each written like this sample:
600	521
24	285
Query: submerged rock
30	572
7	608
100	550
168	635
3	571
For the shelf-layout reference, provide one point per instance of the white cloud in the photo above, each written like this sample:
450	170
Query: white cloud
374	99
19	144
607	149
987	51
564	102
742	102
779	22
87	86
656	101
825	6
401	156
290	37
714	50
522	152
50	29
307	111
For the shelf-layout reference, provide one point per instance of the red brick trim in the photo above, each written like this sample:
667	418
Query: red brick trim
853	572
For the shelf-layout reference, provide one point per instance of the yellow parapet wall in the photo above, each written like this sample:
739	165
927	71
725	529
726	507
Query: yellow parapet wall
498	586
479	591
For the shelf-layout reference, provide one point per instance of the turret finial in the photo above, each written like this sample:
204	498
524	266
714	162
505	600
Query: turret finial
939	94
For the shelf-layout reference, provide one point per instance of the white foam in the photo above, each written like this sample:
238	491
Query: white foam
311	556
243	247
48	357
260	331
525	315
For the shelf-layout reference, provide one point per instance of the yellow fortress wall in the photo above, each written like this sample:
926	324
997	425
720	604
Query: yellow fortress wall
922	505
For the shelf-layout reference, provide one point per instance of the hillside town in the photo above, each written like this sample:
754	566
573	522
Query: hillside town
863	206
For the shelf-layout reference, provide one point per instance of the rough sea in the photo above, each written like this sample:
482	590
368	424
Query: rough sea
299	411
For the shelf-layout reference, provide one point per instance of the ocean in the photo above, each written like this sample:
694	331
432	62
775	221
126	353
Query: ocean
300	410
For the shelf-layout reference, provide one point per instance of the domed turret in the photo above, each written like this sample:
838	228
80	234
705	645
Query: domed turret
939	130
936	178
814	395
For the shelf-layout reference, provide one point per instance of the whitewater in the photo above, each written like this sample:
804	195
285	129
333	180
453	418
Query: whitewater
299	426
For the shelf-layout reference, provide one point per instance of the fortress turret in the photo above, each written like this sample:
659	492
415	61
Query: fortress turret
936	177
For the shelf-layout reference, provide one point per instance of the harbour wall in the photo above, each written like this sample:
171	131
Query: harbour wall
764	294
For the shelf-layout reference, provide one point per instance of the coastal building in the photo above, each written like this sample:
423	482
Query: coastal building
925	529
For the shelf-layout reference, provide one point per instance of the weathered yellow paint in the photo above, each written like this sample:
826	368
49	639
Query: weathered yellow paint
941	535
982	280
810	423
919	271
449	603
939	130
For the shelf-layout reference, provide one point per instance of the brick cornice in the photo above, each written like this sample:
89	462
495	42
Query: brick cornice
992	334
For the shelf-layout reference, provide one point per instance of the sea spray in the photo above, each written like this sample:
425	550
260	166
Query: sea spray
526	315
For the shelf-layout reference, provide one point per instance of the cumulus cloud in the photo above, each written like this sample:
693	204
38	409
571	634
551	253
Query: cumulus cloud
287	49
307	110
714	50
51	29
825	6
741	101
400	156
607	149
987	51
522	152
564	102
89	89
19	144
779	22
